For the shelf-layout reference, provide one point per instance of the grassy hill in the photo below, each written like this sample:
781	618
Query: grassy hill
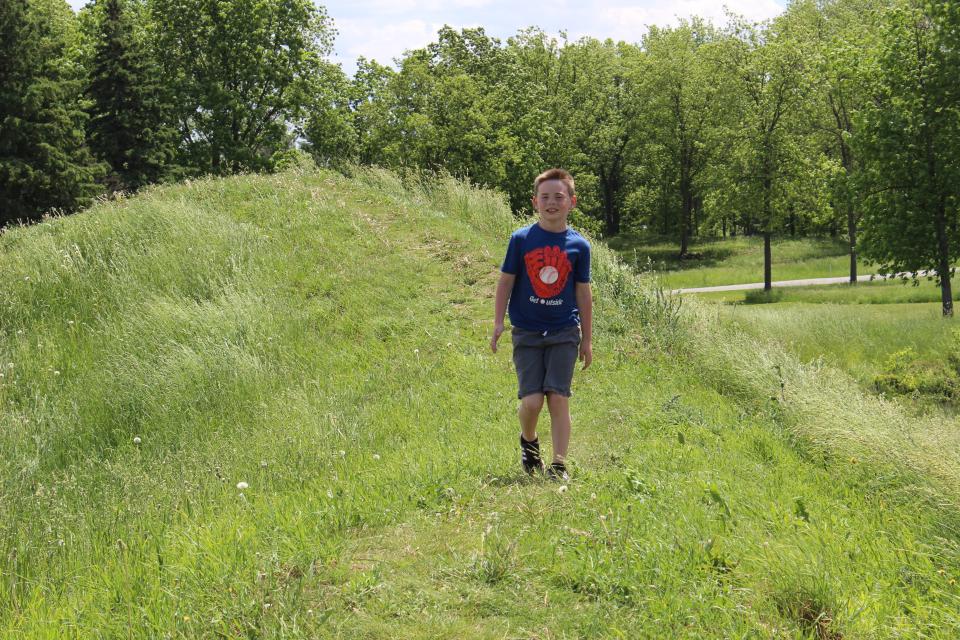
265	407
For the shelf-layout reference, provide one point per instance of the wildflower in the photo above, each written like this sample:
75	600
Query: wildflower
136	440
56	373
263	464
69	321
562	489
376	456
26	278
343	453
242	485
593	496
416	352
10	365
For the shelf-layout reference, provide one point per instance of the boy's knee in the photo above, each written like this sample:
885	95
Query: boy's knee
557	401
532	402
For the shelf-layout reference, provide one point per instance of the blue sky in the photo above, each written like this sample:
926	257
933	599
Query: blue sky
384	29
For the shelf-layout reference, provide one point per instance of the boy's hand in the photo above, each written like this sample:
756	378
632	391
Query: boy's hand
586	354
497	330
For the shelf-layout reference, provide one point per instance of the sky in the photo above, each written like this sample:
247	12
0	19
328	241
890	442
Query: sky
383	29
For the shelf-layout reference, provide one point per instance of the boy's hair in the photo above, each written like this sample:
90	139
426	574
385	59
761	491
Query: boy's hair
555	174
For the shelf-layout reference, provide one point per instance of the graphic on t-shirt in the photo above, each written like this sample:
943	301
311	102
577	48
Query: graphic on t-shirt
548	268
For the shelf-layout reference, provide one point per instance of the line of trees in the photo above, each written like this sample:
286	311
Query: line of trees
838	117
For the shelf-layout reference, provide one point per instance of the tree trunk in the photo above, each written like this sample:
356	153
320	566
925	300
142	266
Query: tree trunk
943	259
767	279
686	196
852	233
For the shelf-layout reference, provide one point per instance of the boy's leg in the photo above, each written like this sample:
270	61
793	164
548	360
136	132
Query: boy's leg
559	407
529	412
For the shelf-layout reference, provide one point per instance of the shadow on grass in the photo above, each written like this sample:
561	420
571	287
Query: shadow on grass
759	296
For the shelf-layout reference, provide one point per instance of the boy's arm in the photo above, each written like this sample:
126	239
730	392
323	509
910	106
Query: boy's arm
504	287
585	305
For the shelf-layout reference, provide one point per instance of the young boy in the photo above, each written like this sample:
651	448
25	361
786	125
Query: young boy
546	278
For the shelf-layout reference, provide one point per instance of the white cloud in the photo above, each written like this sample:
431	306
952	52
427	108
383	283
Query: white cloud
382	41
629	23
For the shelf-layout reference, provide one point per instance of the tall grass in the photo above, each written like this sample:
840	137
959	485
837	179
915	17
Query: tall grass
265	407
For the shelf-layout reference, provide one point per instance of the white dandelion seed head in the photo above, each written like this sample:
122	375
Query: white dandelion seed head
416	350
136	440
562	489
263	463
242	485
593	496
330	493
343	453
376	456
56	373
69	321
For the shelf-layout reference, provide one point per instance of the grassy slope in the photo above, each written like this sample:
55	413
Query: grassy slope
324	340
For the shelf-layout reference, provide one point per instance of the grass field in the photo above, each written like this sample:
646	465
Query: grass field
855	338
264	407
737	260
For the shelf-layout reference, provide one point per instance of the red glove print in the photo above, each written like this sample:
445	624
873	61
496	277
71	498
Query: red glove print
548	268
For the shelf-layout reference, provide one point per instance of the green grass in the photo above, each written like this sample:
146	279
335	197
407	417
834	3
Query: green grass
324	340
736	260
855	338
892	291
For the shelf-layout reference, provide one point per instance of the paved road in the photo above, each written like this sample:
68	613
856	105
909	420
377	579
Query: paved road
789	283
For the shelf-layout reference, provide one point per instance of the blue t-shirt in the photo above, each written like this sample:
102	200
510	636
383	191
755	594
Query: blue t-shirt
547	264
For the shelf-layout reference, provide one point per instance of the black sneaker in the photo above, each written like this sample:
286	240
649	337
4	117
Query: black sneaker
530	456
557	471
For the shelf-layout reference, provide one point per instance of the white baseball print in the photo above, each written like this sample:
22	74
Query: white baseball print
549	275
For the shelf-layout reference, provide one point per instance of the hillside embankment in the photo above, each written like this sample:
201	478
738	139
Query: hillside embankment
265	406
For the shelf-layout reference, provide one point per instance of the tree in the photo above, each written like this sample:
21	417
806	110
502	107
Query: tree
241	72
687	105
44	163
128	119
909	141
773	79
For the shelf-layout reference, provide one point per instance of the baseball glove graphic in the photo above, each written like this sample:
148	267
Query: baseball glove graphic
548	268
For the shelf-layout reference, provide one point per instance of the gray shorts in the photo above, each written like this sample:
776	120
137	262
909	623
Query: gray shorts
545	363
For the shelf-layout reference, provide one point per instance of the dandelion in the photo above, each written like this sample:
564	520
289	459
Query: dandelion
26	278
343	453
416	352
263	464
562	489
56	373
69	321
593	496
330	493
136	440
10	365
376	456
242	485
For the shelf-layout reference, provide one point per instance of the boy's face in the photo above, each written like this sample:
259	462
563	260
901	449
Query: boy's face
553	202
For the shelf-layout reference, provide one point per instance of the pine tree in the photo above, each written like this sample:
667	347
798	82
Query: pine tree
44	163
126	128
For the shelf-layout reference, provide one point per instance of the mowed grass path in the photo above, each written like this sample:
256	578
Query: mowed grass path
324	341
